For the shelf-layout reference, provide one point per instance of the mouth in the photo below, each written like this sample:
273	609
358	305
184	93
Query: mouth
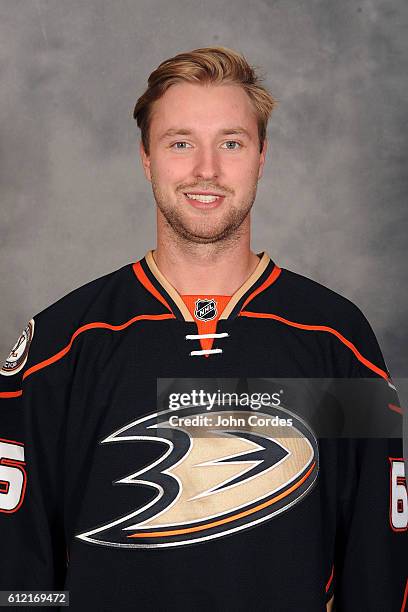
204	200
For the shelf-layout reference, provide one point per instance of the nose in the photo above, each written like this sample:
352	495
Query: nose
206	164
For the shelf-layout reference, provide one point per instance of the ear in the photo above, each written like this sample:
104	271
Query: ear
262	158
145	161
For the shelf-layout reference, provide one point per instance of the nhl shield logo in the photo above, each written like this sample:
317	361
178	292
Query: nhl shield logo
205	310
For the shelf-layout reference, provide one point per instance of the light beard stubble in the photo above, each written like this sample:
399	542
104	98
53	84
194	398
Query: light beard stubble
204	233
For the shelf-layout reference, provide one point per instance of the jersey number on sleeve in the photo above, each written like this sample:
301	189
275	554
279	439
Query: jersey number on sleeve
398	495
13	477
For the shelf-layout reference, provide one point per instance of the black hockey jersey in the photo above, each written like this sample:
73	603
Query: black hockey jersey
125	480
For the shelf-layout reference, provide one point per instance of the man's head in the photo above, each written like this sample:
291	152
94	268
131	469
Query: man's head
203	124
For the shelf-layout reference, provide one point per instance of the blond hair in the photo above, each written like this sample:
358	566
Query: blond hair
206	65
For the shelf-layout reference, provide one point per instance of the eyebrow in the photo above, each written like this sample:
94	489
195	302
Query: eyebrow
187	132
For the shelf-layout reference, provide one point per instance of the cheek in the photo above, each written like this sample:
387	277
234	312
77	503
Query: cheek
169	172
241	176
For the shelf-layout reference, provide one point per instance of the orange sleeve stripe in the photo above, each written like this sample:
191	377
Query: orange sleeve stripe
404	601
9	394
330	579
88	326
398	409
141	276
324	328
271	279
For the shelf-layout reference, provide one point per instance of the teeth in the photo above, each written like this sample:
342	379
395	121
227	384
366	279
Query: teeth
202	198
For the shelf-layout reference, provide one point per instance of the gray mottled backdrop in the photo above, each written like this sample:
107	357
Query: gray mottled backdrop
331	204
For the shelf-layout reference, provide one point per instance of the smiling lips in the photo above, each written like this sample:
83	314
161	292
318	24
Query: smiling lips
204	197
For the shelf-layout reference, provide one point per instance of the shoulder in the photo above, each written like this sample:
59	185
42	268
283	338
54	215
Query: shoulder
100	299
90	297
306	298
310	306
51	330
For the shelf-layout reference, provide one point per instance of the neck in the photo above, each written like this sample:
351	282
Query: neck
219	268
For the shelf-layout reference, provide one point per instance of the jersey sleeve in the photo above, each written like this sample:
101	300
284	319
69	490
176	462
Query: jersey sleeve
371	556
31	464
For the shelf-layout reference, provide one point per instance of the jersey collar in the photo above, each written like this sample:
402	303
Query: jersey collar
149	275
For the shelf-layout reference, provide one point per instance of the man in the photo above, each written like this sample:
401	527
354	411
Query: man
107	491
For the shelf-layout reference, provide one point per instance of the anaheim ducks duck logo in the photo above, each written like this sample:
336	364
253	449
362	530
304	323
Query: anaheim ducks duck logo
206	309
212	483
19	353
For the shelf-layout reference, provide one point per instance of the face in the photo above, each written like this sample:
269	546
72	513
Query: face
204	140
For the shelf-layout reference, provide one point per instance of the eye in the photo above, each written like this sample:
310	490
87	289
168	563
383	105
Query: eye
180	142
233	142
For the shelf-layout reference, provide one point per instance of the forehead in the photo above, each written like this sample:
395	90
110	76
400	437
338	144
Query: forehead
209	107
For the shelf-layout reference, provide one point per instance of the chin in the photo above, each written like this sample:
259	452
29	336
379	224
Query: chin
200	237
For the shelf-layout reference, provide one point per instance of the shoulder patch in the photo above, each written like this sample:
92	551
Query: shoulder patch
19	353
